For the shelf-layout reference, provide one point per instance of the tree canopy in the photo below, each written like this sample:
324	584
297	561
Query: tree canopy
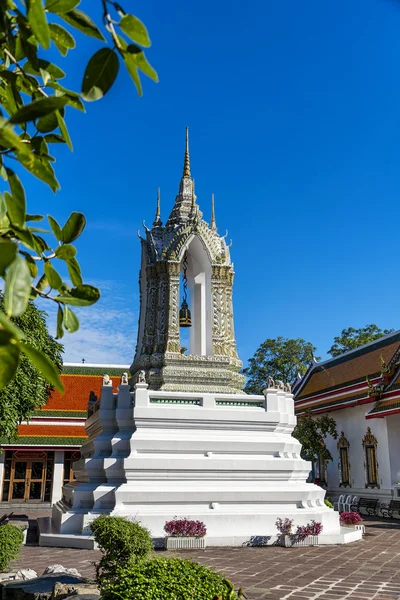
351	338
28	390
34	106
280	358
312	433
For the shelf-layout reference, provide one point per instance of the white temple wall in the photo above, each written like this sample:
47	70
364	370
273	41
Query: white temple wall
353	423
393	429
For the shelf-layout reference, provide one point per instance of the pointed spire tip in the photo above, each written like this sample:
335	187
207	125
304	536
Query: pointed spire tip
186	164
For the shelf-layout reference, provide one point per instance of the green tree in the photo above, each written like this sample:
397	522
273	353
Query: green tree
28	391
280	358
312	433
33	109
352	338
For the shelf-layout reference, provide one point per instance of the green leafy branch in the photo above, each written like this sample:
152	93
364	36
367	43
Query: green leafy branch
33	107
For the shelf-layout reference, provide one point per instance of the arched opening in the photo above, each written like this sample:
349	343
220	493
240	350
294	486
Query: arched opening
197	338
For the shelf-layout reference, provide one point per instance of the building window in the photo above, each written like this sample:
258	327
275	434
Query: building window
344	463
370	444
319	471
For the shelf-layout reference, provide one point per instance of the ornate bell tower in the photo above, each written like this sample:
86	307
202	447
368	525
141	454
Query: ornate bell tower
188	249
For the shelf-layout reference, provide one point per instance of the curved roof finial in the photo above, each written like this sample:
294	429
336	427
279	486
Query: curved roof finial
186	164
213	224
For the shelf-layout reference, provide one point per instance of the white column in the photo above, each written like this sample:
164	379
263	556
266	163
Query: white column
58	476
200	313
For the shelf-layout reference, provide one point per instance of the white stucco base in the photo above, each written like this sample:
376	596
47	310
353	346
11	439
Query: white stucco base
227	460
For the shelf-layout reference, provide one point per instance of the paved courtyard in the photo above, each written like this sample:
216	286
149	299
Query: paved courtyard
367	570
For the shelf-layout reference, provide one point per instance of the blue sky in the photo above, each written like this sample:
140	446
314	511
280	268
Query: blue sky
293	110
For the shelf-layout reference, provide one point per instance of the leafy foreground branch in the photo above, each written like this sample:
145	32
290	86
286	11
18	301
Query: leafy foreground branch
33	109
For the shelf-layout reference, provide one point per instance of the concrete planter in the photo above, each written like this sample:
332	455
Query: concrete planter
292	541
358	527
185	543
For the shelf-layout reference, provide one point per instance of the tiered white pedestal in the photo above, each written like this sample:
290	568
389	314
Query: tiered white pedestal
227	460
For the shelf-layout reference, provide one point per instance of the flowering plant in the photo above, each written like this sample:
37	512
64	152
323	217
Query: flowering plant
312	528
350	518
284	526
185	528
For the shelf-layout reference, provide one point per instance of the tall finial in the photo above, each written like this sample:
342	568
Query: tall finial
213	224
157	220
186	164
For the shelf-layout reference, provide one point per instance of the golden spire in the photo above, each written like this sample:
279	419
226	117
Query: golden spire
186	164
157	220
213	224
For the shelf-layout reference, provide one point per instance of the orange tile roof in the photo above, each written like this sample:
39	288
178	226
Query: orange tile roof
77	392
67	431
349	368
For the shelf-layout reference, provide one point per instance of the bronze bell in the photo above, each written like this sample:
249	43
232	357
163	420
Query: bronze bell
185	318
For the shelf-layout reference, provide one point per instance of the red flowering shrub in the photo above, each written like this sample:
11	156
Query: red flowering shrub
312	528
185	528
350	518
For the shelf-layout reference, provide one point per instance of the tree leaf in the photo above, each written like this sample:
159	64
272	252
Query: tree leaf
73	97
133	71
16	204
18	287
74	271
82	295
81	21
45	65
53	277
61	6
62	38
63	129
38	108
30	217
130	64
60	317
142	62
33	268
54	138
47	123
56	229
43	364
42	283
71	321
65	252
11	327
73	227
3	207
9	359
8	251
100	74
26	237
135	30
38	22
38	167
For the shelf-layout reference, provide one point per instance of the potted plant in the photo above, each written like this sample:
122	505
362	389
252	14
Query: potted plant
353	520
184	534
305	535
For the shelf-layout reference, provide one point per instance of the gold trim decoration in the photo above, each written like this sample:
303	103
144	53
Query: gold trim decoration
369	444
343	446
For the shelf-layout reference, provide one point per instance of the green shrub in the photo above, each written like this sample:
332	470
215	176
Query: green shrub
11	539
328	503
167	579
122	543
